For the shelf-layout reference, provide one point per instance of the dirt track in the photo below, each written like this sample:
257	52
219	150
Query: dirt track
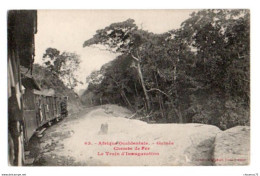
43	150
79	141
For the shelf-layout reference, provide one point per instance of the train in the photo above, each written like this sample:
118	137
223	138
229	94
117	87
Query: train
40	107
29	108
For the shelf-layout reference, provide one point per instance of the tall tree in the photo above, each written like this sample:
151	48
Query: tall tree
221	43
64	65
197	73
125	38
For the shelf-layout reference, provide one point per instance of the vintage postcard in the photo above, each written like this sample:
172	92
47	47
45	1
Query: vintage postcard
129	87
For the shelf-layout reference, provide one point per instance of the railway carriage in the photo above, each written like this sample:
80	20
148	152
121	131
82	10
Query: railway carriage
22	25
39	107
28	108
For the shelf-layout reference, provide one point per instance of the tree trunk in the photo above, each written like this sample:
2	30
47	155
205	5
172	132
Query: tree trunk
136	92
126	99
177	103
160	99
100	100
143	86
180	115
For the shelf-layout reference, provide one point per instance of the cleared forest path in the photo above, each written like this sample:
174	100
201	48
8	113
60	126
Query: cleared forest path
105	136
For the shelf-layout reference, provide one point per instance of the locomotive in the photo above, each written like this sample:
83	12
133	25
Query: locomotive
29	108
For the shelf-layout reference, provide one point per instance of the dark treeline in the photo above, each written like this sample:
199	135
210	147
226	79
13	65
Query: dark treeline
57	75
198	73
49	81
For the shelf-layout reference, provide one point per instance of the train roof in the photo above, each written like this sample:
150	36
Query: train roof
22	25
45	92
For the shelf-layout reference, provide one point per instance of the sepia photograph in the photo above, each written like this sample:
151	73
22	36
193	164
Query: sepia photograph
128	87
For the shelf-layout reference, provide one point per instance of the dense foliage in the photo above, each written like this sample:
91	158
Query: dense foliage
50	81
197	73
64	65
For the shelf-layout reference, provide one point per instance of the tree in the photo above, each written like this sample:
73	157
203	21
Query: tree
153	56
197	73
126	38
64	65
220	40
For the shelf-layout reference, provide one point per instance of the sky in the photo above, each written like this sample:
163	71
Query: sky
66	30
